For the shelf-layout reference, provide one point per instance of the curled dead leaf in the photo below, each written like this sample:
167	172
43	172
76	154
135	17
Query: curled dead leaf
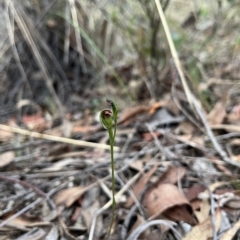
166	199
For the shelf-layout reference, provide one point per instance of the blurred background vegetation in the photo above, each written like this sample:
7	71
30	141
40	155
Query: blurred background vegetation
68	56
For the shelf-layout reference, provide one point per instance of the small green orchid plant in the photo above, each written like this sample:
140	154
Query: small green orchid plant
108	119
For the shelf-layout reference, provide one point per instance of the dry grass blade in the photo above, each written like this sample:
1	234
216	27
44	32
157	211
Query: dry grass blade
77	36
28	38
10	27
174	53
55	138
231	128
67	36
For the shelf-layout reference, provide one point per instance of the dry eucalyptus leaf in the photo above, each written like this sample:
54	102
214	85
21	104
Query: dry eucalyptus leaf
5	136
228	235
67	197
192	192
26	221
167	199
185	128
172	175
217	114
6	158
204	230
203	214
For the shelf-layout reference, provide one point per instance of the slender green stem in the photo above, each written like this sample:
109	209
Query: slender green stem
111	137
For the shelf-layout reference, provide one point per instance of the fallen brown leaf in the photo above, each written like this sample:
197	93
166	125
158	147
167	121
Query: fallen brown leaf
172	175
140	163
217	114
156	106
132	112
166	199
25	220
228	235
203	214
5	136
67	197
192	193
36	122
204	230
181	213
233	117
6	158
149	136
185	128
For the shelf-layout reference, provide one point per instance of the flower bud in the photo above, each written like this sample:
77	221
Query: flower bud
106	116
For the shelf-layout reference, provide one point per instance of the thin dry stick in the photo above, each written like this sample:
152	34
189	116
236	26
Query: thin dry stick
55	138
